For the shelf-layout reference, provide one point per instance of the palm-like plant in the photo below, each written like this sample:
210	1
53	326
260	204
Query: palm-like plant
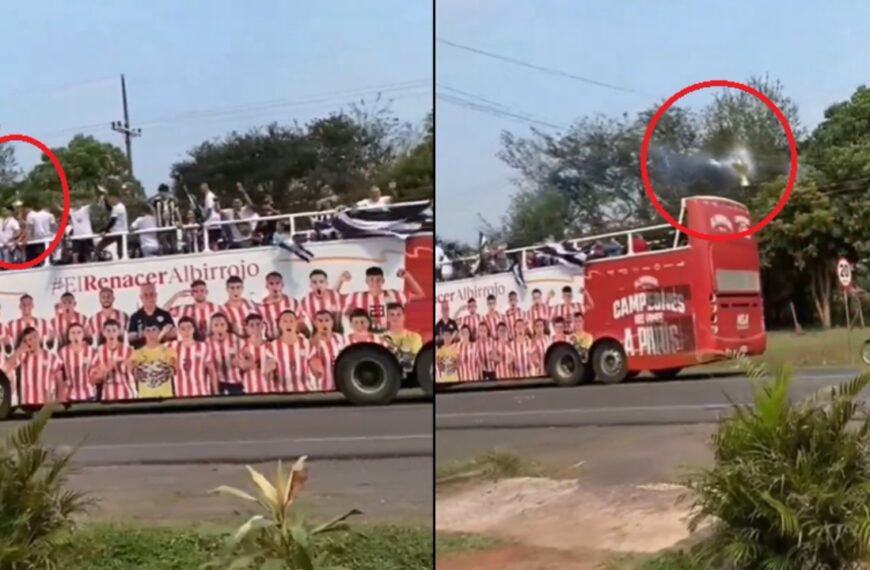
279	538
36	509
790	487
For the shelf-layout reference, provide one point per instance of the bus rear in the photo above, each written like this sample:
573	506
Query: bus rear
732	322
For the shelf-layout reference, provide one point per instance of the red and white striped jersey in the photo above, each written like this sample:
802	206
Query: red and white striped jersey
75	366
200	313
376	304
503	365
37	372
566	311
511	316
326	351
469	361
238	314
540	311
524	361
331	300
222	352
492	320
293	372
95	323
255	380
118	384
62	321
271	312
473	322
485	347
16	327
541	345
191	376
365	337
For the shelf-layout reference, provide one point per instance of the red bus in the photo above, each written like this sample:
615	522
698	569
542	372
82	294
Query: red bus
657	301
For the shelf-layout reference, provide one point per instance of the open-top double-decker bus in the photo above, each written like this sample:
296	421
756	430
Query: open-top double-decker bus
652	299
351	314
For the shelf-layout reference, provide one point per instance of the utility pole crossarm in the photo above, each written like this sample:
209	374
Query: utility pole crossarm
124	127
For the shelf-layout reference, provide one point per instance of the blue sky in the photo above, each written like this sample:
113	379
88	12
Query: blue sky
62	60
819	52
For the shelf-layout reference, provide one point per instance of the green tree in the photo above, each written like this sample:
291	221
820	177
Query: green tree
414	171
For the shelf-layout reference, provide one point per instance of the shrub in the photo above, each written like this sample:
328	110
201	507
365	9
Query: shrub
790	486
278	538
35	508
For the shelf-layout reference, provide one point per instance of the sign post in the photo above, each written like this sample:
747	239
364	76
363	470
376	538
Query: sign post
844	274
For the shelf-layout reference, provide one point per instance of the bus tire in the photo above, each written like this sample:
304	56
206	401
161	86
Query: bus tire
368	376
609	362
5	398
565	365
424	369
632	374
667	373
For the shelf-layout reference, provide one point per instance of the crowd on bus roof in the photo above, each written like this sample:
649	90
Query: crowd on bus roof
164	229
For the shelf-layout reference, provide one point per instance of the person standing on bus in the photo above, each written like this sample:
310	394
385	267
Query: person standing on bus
27	320
225	348
322	298
195	374
116	226
276	302
75	359
82	232
107	312
66	316
256	361
166	215
376	298
39	370
148	313
469	358
325	346
568	307
145	229
39	231
523	351
502	353
211	216
291	353
200	311
9	232
110	370
237	308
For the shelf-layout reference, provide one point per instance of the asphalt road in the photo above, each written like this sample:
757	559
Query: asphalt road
401	430
644	402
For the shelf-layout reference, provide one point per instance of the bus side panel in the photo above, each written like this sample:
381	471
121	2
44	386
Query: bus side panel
419	263
648	304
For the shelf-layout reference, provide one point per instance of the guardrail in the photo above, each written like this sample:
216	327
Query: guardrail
293	220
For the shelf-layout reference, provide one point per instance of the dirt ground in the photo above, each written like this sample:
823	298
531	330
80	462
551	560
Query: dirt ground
607	494
387	491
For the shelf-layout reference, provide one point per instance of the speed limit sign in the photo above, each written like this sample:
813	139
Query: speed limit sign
844	272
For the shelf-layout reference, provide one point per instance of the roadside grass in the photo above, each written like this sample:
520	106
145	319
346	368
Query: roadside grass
669	561
494	464
449	544
126	547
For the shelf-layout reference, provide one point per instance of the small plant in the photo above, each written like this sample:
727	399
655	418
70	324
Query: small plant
790	487
36	509
278	538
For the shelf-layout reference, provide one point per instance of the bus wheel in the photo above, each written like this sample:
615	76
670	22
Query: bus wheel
865	352
368	376
609	362
424	369
5	398
667	373
565	366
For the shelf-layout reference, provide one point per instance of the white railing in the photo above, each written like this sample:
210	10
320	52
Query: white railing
293	220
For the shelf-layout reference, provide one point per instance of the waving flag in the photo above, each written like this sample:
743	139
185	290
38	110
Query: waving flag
396	221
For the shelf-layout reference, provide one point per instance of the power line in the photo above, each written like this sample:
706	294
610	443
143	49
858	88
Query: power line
496	111
549	70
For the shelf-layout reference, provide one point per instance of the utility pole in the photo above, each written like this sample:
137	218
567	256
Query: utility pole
124	127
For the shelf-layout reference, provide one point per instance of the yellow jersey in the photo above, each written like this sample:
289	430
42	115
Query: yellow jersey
154	371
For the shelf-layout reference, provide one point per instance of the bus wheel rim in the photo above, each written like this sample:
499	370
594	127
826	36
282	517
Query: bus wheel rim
611	362
566	366
369	376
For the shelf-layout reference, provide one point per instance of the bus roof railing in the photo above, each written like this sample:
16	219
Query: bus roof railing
293	220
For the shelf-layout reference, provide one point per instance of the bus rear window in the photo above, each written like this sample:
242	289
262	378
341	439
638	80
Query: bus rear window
737	281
